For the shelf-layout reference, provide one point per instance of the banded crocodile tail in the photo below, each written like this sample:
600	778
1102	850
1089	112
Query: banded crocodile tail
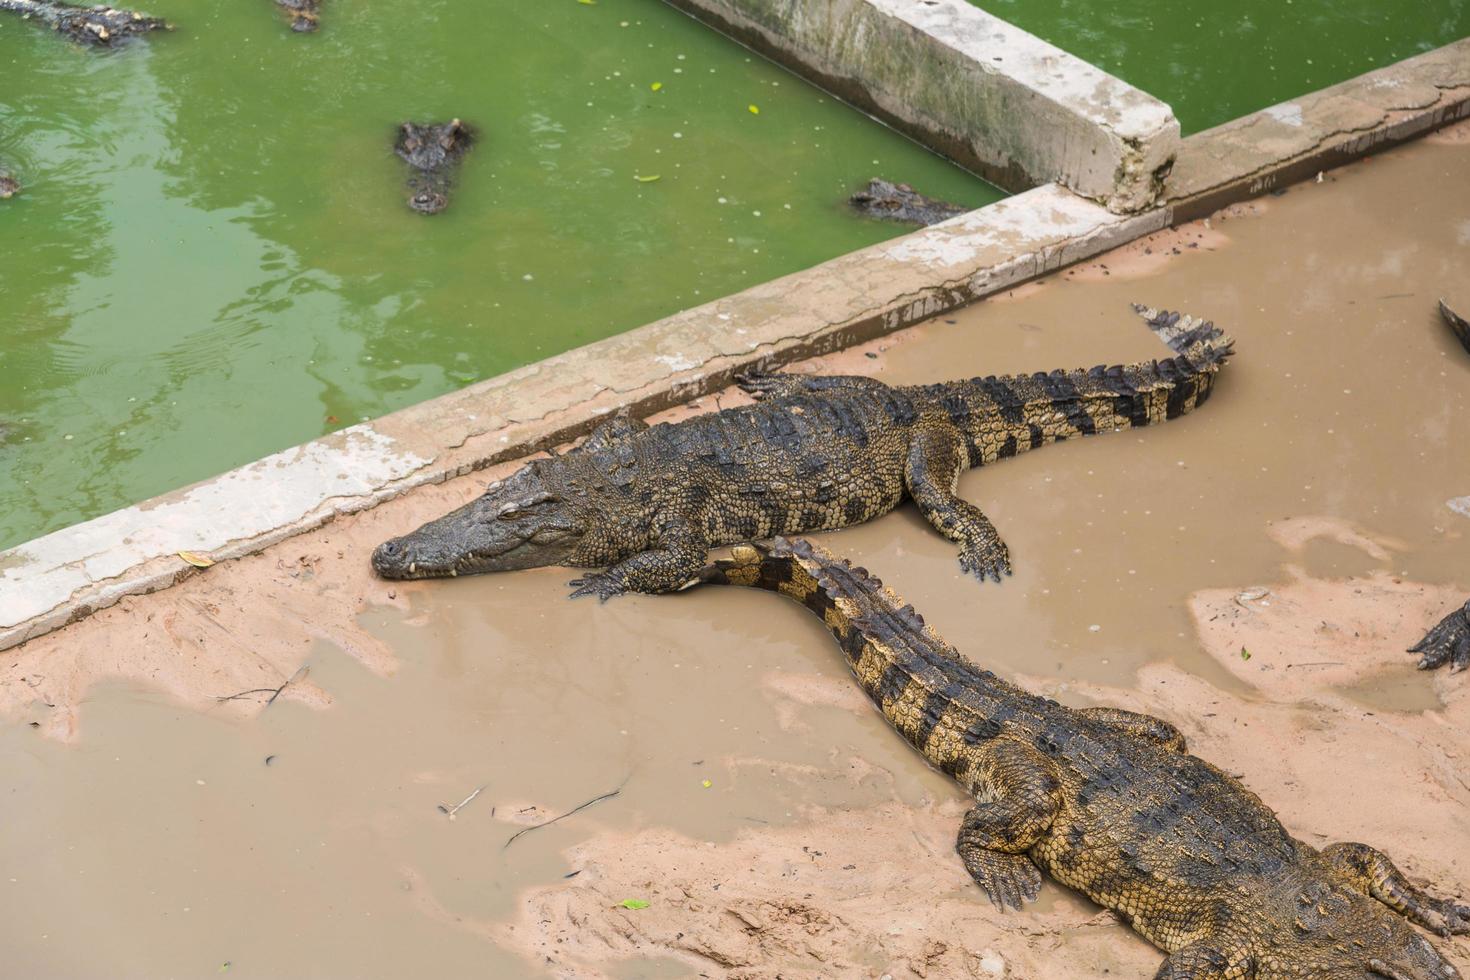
1036	409
917	680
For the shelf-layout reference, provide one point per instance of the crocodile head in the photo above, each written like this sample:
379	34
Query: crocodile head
429	146
1337	933
524	521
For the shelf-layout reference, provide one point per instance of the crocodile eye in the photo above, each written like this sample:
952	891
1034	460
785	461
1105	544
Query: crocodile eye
509	512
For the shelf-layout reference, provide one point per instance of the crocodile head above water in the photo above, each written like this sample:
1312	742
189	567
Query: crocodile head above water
525	521
900	202
9	186
432	150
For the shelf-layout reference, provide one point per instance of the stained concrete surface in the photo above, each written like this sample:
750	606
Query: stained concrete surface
1301	515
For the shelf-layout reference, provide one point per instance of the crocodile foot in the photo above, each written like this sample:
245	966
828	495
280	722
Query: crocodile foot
604	585
986	561
1008	880
759	384
1447	643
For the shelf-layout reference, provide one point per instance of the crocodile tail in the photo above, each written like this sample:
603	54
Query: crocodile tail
847	598
908	671
1456	323
1007	415
1200	341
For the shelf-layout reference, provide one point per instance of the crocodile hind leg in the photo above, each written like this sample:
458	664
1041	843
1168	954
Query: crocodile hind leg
674	562
932	472
1146	727
996	834
1447	643
1201	961
1372	873
769	384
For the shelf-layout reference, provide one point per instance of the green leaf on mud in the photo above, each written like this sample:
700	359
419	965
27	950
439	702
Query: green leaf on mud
1244	654
633	903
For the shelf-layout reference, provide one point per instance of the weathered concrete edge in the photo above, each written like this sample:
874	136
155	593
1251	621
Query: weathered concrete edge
62	577
994	98
1300	138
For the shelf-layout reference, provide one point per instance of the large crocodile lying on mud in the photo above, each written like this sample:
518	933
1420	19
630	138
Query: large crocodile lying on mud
433	150
816	453
1110	803
101	25
900	202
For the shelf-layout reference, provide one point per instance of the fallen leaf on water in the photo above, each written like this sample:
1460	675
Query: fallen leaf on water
588	3
656	86
646	180
633	903
196	559
755	110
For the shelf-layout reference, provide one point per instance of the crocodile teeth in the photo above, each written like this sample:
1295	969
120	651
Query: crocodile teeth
413	566
454	573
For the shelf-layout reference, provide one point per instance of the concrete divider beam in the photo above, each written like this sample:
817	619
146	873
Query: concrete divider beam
984	93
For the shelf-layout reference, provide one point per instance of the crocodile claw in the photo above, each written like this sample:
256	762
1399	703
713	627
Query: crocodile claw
604	585
757	382
1008	880
986	563
1448	642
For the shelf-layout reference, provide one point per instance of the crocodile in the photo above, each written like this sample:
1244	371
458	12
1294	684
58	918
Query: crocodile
900	202
1448	641
432	150
9	186
1456	323
1110	803
303	14
100	26
814	453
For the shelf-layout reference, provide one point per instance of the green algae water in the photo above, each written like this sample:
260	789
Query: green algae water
212	257
1216	60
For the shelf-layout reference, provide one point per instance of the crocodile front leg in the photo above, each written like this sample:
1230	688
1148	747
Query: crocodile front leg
931	474
1372	873
996	835
1447	643
679	554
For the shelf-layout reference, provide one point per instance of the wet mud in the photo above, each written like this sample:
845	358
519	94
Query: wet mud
1253	572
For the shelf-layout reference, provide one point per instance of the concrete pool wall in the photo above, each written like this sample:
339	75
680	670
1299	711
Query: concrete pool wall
65	576
1002	102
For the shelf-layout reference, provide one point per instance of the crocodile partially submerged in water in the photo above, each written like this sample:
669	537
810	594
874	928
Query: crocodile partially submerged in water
9	186
900	202
303	13
433	150
100	26
1109	802
815	453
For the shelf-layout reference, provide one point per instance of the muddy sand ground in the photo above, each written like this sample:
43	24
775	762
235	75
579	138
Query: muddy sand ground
1253	573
